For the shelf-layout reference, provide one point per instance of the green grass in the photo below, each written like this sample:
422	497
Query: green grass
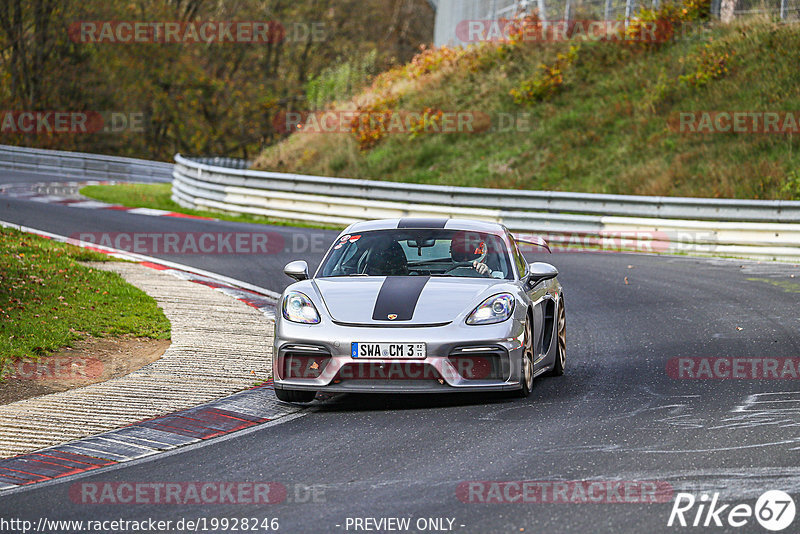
48	300
158	196
608	131
786	285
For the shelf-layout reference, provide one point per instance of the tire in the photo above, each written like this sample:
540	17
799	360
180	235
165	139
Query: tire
561	341
526	368
290	395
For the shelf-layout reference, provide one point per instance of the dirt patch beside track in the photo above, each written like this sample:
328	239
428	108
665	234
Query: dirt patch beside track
89	361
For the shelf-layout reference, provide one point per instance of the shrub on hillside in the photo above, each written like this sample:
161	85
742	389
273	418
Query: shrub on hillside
548	83
710	65
652	28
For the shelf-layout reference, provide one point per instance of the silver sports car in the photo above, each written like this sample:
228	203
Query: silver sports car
419	305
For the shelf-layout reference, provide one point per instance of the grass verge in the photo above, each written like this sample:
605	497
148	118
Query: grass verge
48	299
158	196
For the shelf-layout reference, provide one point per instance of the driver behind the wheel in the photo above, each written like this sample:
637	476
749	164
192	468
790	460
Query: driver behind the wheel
470	251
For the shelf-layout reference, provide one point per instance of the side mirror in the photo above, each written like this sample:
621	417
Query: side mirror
297	270
540	271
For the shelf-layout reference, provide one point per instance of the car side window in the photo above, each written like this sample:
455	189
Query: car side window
519	259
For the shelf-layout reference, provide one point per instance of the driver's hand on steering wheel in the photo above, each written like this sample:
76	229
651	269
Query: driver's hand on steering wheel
482	268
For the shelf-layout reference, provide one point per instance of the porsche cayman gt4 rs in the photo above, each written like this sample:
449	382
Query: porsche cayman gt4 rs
418	306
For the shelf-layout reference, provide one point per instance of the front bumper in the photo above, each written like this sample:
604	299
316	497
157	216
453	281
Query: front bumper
459	358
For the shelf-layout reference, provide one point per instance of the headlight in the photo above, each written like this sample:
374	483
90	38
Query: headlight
298	308
495	309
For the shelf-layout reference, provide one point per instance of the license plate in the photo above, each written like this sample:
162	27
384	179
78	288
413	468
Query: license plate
404	351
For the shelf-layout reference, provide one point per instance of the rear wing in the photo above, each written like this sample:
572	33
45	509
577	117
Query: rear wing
533	240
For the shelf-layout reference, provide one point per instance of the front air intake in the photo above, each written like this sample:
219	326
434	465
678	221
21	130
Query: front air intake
303	361
481	362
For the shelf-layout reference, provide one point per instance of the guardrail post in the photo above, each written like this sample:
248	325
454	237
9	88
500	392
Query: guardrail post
783	9
627	12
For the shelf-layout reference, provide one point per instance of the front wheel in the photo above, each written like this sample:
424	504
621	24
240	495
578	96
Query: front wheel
561	340
289	395
526	372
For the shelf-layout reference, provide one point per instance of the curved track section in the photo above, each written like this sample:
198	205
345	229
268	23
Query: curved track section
620	413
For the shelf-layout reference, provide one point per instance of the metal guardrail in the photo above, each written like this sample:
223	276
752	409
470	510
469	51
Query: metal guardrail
750	228
202	175
218	161
740	228
80	165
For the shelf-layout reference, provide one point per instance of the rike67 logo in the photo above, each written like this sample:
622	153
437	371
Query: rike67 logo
774	510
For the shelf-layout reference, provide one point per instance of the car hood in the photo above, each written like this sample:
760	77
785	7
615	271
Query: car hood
412	299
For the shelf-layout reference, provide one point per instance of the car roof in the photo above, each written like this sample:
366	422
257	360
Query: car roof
427	223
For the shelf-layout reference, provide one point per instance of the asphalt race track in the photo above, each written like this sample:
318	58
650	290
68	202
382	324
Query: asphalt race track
616	415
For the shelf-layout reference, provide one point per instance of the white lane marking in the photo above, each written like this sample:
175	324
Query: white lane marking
148	211
89	204
48	198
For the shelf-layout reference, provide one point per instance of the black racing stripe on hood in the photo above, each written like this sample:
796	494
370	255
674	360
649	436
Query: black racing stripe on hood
398	296
415	222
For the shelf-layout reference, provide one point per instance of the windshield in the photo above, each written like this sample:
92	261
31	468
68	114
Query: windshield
416	252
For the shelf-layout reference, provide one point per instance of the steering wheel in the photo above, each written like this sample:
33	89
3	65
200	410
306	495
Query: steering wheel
458	264
471	264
